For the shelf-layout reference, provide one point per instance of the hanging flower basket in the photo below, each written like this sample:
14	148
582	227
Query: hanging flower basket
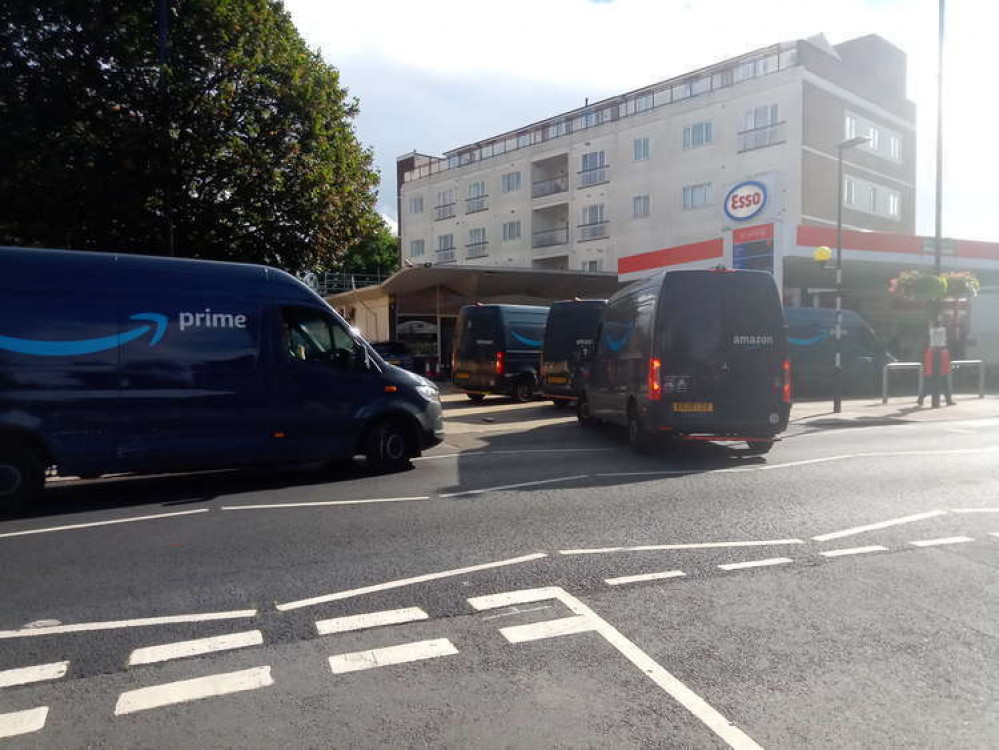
962	284
918	286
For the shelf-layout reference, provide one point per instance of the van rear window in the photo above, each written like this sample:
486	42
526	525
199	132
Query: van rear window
478	333
525	330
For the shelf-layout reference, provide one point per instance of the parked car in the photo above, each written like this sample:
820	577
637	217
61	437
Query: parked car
124	363
697	355
398	354
497	349
571	328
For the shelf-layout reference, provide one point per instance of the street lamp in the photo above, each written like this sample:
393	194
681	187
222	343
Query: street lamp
838	363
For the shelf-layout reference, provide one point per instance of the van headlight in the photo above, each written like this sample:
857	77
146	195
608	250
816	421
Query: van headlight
429	392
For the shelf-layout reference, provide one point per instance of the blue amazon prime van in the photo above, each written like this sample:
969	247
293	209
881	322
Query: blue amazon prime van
124	363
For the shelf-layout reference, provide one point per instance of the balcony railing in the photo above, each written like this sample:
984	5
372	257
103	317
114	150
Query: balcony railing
446	255
767	135
446	211
593	176
477	250
478	203
542	188
550	237
593	231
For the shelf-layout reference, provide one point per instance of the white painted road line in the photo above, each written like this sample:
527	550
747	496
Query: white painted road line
197	647
39	673
942	540
711	718
23	722
10	534
853	551
756	563
350	593
881	525
548	629
644	577
668	547
974	510
994	533
513	486
391	655
370	620
185	691
320	503
666	472
472	454
84	627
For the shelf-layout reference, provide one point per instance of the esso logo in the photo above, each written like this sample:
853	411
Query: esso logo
745	200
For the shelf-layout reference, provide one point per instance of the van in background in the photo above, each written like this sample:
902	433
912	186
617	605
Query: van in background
571	328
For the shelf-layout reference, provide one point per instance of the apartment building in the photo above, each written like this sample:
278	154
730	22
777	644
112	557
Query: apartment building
724	165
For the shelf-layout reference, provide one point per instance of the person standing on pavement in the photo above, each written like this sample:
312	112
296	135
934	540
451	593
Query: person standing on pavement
936	367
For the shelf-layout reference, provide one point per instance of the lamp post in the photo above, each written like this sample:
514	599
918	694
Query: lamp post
838	362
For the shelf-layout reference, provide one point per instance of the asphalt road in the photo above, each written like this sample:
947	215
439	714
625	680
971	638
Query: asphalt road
529	584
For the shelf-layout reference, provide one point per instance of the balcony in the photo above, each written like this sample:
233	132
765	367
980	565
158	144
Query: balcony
477	250
446	255
595	176
595	231
550	237
762	137
478	203
447	211
544	188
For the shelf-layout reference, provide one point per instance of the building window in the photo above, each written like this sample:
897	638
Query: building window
416	204
477	247
593	265
445	248
511	231
873	138
697	135
640	207
893	205
761	128
643	102
849	191
681	91
511	182
476	197
556	129
701	85
698	196
593	225
849	127
523	140
894	148
589	119
445	204
745	70
872	203
594	169
416	248
641	149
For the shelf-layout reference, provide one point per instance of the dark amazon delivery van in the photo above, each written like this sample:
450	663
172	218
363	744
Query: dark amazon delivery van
124	363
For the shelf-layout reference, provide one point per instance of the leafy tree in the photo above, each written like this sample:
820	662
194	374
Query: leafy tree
245	137
377	252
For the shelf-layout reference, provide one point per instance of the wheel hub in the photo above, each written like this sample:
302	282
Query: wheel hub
10	480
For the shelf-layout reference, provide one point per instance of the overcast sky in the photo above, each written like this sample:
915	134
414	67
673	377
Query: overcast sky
437	74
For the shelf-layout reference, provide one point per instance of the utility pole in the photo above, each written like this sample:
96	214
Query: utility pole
938	235
163	53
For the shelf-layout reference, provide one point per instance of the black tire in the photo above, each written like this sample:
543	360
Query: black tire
560	403
638	437
583	414
388	445
523	391
759	447
476	396
22	475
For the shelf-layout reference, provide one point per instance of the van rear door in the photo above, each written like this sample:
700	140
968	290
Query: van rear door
479	338
723	345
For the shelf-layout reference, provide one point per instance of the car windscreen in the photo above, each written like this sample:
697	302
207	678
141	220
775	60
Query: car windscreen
525	329
479	333
570	326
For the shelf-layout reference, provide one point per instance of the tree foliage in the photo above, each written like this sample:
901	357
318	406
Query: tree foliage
245	136
378	252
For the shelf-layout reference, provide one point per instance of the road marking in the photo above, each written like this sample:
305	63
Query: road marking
994	533
23	722
185	691
974	510
942	540
39	673
644	577
83	627
667	547
370	620
514	486
514	453
548	629
320	503
756	563
10	534
197	647
853	551
391	655
516	611
350	593
807	462
663	473
673	687
881	525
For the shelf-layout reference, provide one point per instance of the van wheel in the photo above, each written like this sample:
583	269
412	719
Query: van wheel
759	447
523	390
22	475
638	438
476	396
560	403
388	446
583	414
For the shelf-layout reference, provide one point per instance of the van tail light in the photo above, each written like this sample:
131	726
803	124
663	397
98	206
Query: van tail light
655	381
500	363
785	390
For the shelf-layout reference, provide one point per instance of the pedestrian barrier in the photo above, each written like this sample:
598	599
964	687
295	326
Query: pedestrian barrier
918	366
959	363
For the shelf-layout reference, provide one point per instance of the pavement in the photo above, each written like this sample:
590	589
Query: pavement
526	584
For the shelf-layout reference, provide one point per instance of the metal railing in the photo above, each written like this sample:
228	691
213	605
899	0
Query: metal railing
594	231
478	203
446	255
446	211
335	282
593	176
893	366
761	137
477	250
957	364
542	188
550	237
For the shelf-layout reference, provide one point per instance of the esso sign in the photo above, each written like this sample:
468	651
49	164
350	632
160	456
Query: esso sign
745	200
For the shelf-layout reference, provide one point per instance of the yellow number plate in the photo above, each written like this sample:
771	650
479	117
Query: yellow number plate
557	379
694	407
461	376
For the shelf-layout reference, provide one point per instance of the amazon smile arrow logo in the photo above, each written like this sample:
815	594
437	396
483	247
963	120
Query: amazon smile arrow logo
89	346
